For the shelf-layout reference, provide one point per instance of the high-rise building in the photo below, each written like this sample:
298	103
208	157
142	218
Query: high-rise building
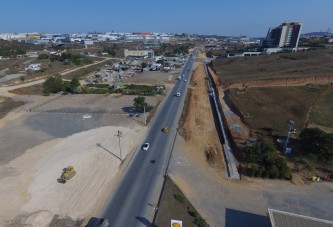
285	36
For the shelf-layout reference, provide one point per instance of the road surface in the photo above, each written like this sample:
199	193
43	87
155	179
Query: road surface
132	202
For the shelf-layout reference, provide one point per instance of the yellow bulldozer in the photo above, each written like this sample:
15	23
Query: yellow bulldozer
67	173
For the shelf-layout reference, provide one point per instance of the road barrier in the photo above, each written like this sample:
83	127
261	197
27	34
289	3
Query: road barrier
228	155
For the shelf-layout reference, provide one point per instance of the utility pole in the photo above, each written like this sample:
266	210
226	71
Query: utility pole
144	113
291	129
120	134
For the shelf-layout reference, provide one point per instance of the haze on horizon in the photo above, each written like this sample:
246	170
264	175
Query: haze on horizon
237	17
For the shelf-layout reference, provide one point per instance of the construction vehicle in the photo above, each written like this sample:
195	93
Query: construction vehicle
165	129
67	173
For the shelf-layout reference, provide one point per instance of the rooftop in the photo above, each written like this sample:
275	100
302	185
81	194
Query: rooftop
282	219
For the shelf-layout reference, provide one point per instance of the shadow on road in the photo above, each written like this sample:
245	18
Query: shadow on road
145	222
237	218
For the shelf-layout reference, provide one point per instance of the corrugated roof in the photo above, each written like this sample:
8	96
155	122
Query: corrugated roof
283	219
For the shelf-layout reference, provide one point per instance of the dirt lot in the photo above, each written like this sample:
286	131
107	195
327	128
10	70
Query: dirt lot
62	132
198	127
263	70
154	77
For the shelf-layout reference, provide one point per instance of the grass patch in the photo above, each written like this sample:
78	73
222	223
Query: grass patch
322	112
36	89
174	205
134	89
271	108
7	105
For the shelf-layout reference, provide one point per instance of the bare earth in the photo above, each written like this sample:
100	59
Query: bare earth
36	146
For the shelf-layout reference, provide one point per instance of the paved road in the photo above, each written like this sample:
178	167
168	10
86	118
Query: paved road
131	203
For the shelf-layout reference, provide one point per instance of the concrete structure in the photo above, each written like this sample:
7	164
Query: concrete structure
285	36
139	53
281	219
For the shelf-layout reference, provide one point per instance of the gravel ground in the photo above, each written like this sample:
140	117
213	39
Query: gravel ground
61	118
59	131
154	77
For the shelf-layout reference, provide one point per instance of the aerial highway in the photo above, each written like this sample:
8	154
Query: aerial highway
132	201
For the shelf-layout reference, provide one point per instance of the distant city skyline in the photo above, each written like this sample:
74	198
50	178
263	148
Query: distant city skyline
214	17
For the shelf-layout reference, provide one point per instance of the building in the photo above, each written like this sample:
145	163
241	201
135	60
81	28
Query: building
281	219
285	36
33	67
139	53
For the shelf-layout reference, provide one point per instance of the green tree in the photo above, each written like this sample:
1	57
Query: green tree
115	46
316	141
143	65
74	84
260	151
67	86
43	56
140	104
53	84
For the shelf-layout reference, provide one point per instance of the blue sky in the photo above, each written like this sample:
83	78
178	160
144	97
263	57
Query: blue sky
221	17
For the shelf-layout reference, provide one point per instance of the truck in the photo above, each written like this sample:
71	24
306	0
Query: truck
67	173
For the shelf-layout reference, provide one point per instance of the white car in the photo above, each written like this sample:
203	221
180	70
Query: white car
185	80
145	146
178	94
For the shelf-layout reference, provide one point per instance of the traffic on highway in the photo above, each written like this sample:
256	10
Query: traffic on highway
131	202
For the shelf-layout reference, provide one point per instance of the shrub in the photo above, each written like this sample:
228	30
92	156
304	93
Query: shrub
260	172
179	197
265	174
253	170
309	167
191	211
199	221
274	172
43	56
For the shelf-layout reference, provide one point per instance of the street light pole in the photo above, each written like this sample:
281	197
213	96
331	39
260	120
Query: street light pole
144	113
291	129
120	134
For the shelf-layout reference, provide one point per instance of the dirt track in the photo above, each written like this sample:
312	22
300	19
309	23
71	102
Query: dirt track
199	126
